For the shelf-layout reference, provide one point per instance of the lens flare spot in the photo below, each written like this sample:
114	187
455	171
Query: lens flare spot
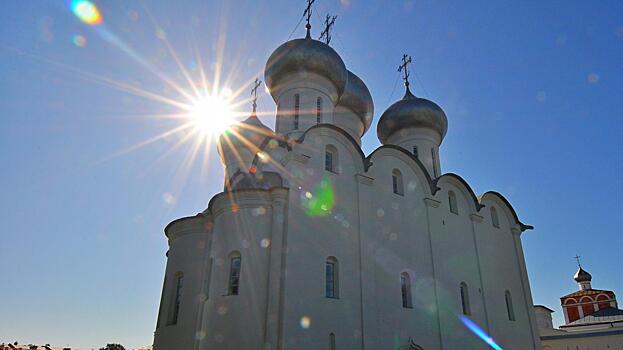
305	322
79	40
265	243
87	12
320	201
479	332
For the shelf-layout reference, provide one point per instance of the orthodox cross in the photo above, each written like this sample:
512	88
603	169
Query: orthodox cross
329	21
308	13
404	68
577	258
256	84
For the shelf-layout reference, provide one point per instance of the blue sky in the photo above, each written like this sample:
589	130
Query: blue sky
533	93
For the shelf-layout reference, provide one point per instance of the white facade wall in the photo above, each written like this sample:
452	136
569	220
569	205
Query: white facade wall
376	235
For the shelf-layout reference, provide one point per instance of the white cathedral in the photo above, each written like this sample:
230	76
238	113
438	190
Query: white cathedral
315	245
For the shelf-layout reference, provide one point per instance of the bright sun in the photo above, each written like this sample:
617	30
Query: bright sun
211	115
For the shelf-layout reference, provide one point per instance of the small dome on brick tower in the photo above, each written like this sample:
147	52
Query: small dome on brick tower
583	278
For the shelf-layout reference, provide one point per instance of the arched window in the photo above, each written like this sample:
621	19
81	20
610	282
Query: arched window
397	182
405	288
415	151
330	159
465	299
332	278
332	341
177	298
297	106
319	110
509	306
235	263
452	202
494	217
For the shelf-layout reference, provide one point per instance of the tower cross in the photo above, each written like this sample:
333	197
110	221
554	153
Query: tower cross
404	68
577	258
329	21
308	13
256	85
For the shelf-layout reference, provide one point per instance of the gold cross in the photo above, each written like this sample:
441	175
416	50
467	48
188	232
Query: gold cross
256	84
326	33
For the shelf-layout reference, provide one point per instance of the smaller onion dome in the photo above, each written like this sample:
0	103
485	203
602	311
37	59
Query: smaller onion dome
249	130
357	98
305	55
582	276
411	112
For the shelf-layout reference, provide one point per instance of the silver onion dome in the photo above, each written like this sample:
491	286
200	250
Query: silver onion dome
304	55
357	98
411	112
582	276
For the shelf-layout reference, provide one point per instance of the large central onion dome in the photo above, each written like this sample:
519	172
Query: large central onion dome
411	112
304	56
357	98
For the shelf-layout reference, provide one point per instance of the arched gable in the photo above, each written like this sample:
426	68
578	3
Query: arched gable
408	159
342	138
506	207
347	141
463	186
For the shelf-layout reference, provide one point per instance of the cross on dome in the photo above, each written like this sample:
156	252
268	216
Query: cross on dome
256	84
329	22
308	13
404	68
577	258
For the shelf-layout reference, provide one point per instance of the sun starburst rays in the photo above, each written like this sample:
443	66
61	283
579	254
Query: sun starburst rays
199	104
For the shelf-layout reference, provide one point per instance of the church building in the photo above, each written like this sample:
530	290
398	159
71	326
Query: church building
315	245
593	320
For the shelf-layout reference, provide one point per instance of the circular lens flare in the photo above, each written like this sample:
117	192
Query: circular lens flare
211	115
86	11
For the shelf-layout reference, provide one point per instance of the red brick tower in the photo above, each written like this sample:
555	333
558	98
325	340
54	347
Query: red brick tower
587	300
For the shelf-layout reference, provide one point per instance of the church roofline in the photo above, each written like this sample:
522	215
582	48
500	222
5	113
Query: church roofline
367	163
477	203
523	226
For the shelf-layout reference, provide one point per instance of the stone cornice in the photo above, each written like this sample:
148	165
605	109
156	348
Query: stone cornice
432	203
363	179
476	218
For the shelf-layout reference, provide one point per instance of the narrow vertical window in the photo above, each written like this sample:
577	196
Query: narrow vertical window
405	288
465	299
297	105
332	341
177	298
330	159
494	217
397	182
434	160
331	278
415	151
319	110
509	306
235	263
452	202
